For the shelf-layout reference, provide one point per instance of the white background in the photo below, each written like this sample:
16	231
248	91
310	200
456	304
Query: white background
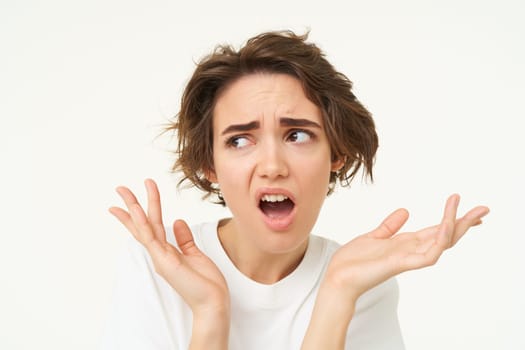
86	85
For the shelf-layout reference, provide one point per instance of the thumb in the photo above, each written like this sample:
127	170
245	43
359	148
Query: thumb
184	238
391	224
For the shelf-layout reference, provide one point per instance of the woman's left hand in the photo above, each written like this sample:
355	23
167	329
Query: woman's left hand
374	257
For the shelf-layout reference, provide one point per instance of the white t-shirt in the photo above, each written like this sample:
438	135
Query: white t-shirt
148	314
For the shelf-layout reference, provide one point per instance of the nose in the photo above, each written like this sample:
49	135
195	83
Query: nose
272	162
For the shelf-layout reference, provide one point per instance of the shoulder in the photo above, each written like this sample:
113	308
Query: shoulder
375	323
388	288
326	245
384	297
200	231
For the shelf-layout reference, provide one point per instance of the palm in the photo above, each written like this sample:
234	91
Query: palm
191	273
380	254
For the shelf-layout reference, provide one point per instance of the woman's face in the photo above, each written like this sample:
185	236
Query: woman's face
272	160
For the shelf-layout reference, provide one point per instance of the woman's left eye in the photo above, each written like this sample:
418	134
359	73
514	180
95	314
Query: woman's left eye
299	136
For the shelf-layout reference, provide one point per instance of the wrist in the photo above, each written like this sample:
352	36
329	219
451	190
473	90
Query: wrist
330	320
210	330
335	306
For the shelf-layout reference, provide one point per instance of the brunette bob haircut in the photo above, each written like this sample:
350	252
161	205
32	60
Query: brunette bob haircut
348	124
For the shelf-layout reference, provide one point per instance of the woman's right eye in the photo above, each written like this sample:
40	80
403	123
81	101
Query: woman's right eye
238	141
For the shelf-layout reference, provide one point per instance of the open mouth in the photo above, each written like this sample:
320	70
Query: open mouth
276	206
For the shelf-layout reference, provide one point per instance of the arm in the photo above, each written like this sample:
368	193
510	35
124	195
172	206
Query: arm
330	320
371	259
191	273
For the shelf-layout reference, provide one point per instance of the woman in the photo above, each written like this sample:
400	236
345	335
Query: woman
269	129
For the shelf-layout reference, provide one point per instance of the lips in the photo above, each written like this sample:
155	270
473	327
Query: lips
277	207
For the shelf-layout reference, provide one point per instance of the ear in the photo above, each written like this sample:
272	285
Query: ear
210	176
337	164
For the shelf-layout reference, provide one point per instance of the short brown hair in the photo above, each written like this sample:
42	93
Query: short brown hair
348	124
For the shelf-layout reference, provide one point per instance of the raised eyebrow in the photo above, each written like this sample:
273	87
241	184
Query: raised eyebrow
297	122
241	127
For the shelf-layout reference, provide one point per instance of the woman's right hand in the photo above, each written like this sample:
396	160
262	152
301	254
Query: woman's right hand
188	270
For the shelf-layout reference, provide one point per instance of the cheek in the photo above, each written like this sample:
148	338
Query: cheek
231	174
317	163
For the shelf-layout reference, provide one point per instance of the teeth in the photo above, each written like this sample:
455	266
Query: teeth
274	197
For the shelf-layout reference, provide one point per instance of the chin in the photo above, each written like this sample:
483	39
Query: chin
283	242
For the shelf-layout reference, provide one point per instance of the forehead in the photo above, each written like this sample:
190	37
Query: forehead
260	96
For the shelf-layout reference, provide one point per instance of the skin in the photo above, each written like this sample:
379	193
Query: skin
272	156
277	157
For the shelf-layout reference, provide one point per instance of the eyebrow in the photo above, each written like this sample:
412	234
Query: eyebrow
253	125
298	122
241	127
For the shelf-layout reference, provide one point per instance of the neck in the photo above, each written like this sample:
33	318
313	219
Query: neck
255	262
